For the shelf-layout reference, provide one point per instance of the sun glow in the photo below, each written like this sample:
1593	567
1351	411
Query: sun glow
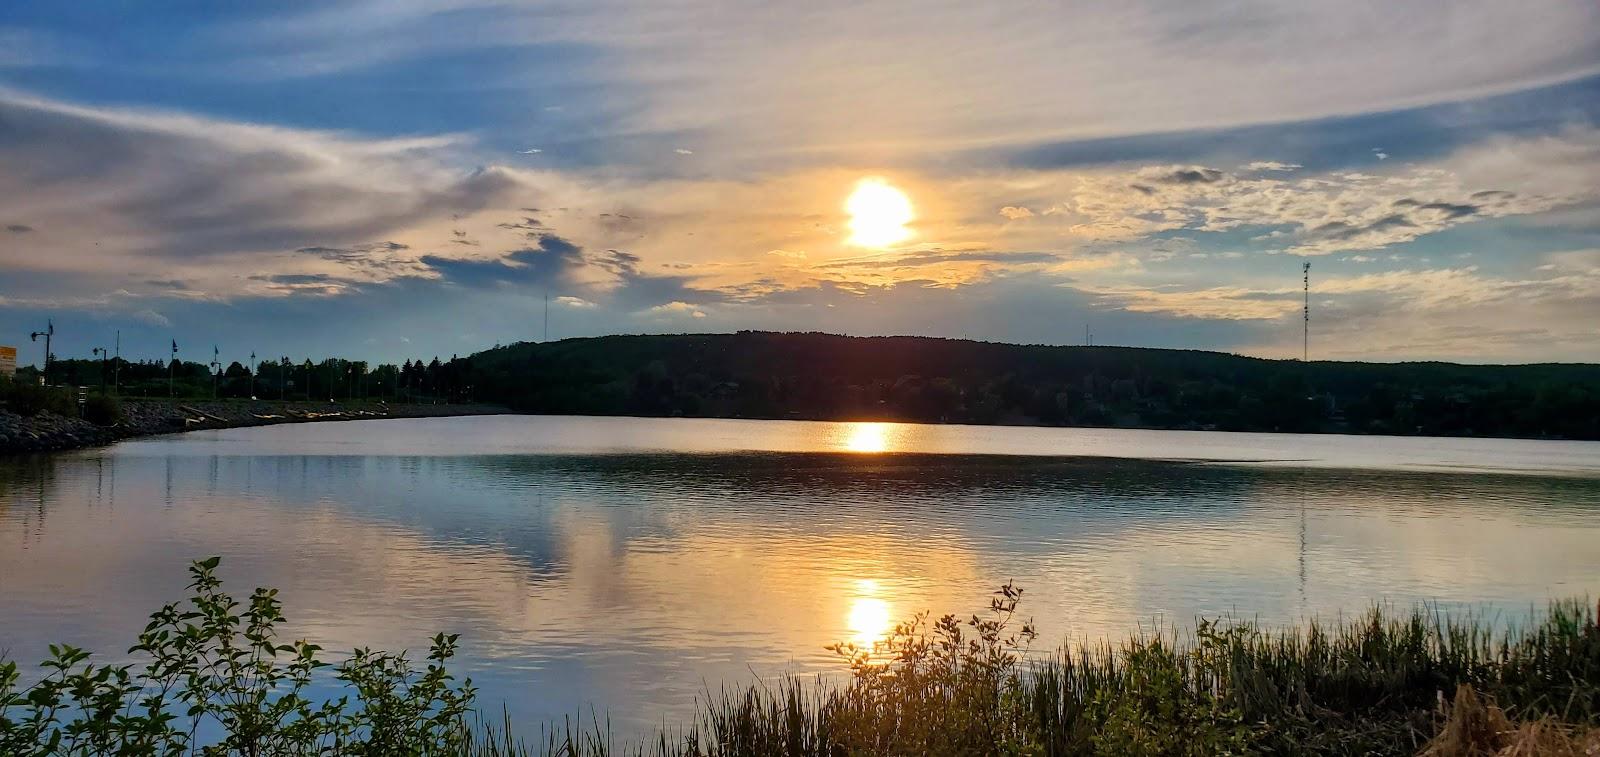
878	214
869	618
867	437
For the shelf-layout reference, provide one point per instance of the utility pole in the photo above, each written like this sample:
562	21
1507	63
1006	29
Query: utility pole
1305	335
48	334
252	374
116	367
546	317
172	366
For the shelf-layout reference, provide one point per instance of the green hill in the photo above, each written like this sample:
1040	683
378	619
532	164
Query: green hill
822	376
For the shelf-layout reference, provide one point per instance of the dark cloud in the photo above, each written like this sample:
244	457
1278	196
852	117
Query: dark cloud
1192	175
1338	231
168	283
17	228
621	263
354	253
1494	194
553	261
528	223
297	278
1452	209
379	258
218	188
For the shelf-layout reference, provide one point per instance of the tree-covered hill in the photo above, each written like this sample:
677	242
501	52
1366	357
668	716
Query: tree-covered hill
822	376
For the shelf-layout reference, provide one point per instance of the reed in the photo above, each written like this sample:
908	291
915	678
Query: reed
1407	682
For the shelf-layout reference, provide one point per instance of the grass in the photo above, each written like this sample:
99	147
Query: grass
1407	683
1410	682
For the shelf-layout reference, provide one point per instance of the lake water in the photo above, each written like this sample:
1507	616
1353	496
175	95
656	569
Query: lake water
626	565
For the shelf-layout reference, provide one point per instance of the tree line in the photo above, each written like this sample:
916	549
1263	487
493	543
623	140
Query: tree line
828	377
283	378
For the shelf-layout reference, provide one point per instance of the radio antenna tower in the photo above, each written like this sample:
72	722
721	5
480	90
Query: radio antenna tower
1305	336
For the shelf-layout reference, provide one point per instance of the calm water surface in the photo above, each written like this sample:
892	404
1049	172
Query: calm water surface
628	564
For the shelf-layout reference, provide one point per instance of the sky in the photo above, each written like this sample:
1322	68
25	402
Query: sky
391	180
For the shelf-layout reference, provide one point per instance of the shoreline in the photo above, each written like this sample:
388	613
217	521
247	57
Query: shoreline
48	432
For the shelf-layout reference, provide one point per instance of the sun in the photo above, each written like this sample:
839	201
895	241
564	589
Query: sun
878	214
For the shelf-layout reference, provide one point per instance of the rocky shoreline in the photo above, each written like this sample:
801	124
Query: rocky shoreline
48	432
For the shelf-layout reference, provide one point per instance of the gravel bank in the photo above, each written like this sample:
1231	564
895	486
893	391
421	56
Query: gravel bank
48	432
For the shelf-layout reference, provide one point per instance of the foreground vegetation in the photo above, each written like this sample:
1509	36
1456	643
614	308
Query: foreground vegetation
28	398
1413	683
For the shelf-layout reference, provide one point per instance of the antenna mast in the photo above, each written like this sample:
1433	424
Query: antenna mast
546	317
1305	335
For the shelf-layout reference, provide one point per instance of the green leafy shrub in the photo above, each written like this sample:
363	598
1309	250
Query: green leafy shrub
102	410
28	399
214	662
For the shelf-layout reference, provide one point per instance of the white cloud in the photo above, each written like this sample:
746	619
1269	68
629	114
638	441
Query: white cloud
573	302
790	77
1015	213
1446	313
1272	165
677	308
1317	214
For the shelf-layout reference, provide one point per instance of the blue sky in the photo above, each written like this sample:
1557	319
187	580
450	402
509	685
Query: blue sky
390	180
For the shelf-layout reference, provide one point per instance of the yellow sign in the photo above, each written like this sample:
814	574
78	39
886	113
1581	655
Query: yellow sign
8	361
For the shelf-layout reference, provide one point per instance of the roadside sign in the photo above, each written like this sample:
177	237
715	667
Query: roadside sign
8	361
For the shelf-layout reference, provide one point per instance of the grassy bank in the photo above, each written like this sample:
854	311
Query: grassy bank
1405	683
61	424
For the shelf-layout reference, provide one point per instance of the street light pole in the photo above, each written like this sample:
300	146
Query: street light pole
48	333
101	353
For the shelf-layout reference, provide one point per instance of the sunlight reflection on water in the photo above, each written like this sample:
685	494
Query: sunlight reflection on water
584	564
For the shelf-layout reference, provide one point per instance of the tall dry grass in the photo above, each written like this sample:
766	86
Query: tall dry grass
1387	683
